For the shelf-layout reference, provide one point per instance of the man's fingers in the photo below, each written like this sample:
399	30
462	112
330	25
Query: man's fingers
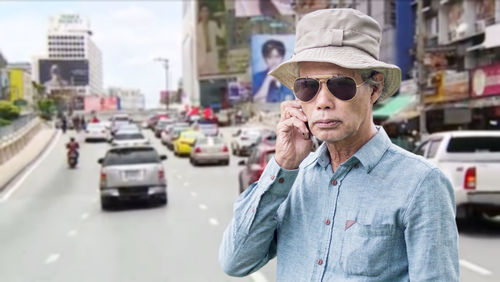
291	123
289	104
294	112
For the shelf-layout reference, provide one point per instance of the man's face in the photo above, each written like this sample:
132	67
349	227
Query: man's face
274	59
331	119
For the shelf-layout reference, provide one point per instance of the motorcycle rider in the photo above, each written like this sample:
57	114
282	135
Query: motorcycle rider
73	147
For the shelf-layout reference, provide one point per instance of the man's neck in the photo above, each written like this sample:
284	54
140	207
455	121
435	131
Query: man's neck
342	150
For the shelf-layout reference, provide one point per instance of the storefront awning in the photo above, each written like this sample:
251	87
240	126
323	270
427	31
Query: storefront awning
491	38
394	106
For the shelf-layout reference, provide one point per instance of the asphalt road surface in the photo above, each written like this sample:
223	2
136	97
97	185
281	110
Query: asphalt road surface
53	229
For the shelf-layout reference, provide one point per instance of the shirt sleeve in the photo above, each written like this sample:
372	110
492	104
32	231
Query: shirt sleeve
431	232
249	241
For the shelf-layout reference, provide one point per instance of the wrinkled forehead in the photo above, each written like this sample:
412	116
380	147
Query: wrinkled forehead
322	68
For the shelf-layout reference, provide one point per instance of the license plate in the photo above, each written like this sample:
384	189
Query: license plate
133	175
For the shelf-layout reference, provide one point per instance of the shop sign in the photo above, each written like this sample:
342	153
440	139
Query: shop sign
486	81
455	85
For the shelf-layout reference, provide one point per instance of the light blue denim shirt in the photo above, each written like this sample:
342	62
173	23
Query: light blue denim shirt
384	215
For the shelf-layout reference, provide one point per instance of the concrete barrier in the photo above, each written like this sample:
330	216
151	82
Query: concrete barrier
11	144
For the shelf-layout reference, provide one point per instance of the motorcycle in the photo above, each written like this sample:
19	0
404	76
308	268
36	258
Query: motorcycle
72	158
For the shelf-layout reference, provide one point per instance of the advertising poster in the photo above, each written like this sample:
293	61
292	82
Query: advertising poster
486	81
61	73
92	103
456	21
485	9
268	51
211	47
269	8
455	85
307	6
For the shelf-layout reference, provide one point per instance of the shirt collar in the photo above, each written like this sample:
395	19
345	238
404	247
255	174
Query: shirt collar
368	155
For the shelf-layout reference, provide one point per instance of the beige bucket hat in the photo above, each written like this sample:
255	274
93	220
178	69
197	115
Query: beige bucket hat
345	37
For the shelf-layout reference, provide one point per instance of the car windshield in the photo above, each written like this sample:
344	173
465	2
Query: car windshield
474	144
131	156
128	136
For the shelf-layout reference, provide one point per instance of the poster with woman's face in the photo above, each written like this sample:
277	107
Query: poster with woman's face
268	51
211	38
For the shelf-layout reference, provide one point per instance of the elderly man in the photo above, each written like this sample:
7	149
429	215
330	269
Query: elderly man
359	208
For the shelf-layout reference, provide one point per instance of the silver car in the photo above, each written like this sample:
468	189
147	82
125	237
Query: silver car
132	173
129	138
209	150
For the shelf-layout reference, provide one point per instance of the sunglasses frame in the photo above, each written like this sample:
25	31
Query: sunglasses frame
323	79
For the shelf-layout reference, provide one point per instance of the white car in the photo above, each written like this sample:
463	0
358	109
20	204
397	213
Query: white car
129	138
245	139
471	160
96	131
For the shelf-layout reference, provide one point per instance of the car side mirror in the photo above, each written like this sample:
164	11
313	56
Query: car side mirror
163	157
100	161
242	162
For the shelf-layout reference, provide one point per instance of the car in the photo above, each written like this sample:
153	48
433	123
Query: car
255	165
471	161
128	138
245	139
161	125
96	131
119	120
152	120
184	144
209	150
223	118
129	127
132	173
172	132
207	127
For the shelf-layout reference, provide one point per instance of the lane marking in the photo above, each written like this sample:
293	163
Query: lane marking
258	277
186	184
474	267
213	221
193	194
31	168
52	258
72	233
203	207
85	216
178	176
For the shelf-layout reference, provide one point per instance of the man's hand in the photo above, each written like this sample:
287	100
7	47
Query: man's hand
293	141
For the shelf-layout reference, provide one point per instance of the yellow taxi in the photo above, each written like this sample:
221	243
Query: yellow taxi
184	144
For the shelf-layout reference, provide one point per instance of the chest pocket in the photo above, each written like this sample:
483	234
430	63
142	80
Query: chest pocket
366	249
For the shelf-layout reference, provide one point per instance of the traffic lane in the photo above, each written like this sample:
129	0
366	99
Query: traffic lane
479	245
47	205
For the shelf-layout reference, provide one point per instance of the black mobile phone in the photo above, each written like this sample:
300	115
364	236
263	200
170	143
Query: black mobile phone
308	129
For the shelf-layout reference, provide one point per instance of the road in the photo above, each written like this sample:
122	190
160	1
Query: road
52	227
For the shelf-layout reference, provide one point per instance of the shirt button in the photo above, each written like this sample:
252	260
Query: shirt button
356	166
272	177
334	182
327	222
281	180
320	261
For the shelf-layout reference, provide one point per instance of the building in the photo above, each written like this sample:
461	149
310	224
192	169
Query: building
20	89
4	79
231	65
73	62
129	99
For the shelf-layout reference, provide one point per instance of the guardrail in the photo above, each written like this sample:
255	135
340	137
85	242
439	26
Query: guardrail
15	140
16	125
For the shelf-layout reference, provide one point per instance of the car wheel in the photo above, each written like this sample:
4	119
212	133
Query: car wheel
106	203
162	199
193	162
226	162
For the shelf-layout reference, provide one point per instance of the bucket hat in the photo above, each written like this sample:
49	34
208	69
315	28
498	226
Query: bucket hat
344	37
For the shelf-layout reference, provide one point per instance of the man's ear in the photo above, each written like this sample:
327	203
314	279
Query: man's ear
377	88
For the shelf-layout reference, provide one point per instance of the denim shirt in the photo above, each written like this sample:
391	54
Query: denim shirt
384	215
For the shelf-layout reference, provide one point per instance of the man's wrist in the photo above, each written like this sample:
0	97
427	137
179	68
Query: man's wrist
283	163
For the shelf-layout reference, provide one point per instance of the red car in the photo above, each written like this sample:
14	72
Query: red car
255	164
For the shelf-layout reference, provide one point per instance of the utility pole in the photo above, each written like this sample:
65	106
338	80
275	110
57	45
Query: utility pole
421	79
165	65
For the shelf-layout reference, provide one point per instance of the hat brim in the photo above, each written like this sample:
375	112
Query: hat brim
344	56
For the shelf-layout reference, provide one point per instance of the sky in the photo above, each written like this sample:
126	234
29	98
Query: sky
130	35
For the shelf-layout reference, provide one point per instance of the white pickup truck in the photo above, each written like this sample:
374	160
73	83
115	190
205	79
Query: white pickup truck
471	160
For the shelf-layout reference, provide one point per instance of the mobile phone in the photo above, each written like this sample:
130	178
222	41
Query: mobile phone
308	129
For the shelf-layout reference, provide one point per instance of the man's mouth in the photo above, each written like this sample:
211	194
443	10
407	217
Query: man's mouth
327	123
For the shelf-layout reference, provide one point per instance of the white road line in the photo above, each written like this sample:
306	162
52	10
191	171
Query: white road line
213	221
85	216
258	277
193	194
52	258
178	176
203	207
31	169
72	233
475	268
186	184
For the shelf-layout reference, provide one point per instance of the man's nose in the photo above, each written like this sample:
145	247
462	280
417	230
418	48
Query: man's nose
324	99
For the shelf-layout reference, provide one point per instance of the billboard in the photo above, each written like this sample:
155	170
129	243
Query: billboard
268	51
211	47
61	73
486	81
269	8
95	103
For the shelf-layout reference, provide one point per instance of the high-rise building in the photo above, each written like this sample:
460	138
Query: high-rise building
73	61
4	83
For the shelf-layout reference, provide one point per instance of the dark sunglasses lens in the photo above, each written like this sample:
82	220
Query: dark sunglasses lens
343	88
305	88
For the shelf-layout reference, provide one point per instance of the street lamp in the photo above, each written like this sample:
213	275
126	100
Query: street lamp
165	65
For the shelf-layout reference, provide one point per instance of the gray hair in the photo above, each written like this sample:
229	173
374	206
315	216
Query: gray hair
366	75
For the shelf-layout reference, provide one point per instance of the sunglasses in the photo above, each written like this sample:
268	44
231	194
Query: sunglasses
342	87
